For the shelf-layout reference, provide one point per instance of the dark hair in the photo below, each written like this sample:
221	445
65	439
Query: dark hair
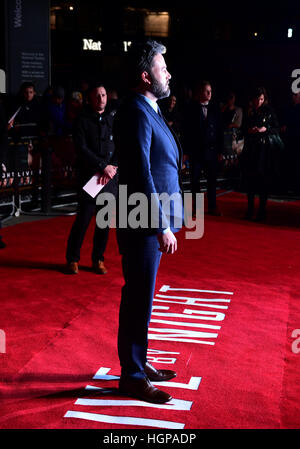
59	92
140	59
229	95
27	84
94	85
258	91
200	84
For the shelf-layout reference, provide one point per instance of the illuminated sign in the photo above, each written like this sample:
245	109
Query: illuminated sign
89	44
126	45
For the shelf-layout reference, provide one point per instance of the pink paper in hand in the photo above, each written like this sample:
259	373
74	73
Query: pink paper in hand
92	187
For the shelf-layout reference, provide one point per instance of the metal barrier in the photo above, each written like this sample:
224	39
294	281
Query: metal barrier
39	171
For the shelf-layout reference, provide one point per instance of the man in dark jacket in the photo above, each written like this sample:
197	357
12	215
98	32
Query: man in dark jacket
26	124
96	156
25	132
203	142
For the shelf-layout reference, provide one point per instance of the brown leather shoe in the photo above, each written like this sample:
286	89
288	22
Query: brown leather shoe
143	389
158	375
99	267
72	268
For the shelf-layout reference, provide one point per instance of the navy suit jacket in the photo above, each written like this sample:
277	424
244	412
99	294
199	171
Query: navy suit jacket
149	156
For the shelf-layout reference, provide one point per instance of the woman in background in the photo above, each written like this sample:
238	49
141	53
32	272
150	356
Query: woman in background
232	116
262	151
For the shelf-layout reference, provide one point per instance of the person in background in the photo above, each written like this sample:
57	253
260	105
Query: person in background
171	113
113	101
203	142
92	133
84	87
232	116
261	155
74	107
24	133
55	114
26	121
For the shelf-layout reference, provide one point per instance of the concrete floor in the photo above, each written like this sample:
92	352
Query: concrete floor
36	215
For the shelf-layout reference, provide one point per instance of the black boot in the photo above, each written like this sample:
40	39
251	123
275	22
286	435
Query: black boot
261	214
2	244
250	209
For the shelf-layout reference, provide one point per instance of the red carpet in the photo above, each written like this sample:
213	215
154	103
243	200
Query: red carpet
225	313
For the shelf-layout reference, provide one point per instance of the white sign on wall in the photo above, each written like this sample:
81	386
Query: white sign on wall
90	44
2	82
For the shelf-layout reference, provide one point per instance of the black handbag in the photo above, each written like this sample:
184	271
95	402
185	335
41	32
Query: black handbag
276	142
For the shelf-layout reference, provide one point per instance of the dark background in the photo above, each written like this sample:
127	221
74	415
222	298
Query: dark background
212	40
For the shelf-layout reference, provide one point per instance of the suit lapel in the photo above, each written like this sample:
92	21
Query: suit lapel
175	137
162	122
172	136
204	119
155	115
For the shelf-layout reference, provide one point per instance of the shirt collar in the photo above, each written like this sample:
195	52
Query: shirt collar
152	103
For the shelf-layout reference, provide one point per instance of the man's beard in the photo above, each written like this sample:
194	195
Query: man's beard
158	90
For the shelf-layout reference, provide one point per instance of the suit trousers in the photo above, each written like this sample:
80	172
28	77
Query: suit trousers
86	210
140	262
210	171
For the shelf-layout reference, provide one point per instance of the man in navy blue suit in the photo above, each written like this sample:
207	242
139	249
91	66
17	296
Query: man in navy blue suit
149	161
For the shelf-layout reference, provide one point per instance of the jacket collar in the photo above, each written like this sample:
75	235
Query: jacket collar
144	102
161	122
